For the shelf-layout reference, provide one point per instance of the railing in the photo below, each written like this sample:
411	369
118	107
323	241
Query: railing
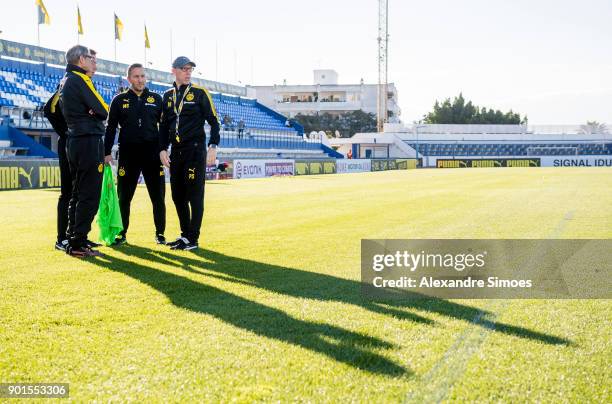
25	118
459	148
318	106
250	138
423	129
264	139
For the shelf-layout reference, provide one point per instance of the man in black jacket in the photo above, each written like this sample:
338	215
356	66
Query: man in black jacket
186	107
85	112
53	112
137	111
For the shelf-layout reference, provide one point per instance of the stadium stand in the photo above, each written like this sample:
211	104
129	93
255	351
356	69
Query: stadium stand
25	86
510	149
441	141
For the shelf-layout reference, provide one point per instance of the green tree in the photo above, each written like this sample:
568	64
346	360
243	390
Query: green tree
458	111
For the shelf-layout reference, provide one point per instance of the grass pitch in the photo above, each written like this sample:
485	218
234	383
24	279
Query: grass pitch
270	308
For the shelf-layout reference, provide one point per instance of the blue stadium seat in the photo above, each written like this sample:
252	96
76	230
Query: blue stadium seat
510	149
29	86
36	88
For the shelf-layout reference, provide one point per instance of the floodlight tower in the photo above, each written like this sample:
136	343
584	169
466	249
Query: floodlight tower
383	54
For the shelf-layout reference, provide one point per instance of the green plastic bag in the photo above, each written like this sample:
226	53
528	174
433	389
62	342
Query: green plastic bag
109	215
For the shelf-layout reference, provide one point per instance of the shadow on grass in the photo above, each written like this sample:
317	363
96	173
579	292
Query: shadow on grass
352	348
316	286
312	285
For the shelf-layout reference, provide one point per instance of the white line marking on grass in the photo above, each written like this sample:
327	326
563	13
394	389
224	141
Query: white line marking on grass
435	385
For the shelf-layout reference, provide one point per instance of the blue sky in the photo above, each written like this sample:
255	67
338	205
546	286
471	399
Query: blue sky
547	59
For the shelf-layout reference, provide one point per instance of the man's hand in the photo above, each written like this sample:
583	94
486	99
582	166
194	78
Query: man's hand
108	159
165	160
211	157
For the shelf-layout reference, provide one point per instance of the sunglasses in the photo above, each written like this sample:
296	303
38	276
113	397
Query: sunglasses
187	69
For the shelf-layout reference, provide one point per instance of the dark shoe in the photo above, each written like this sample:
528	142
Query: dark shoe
180	244
92	244
160	239
82	252
173	243
119	241
191	246
61	245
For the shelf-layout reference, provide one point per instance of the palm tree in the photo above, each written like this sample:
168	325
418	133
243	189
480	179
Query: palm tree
593	127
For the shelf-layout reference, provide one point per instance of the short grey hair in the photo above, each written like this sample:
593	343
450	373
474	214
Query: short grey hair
74	54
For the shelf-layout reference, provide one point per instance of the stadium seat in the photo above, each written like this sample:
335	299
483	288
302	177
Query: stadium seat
510	149
29	86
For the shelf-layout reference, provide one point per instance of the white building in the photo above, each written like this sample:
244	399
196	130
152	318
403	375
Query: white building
324	95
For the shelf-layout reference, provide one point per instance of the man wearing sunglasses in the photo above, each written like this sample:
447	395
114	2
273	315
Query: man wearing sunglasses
85	112
186	107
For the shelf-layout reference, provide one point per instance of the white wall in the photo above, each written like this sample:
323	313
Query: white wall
546	161
576	161
497	137
493	132
325	77
367	94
